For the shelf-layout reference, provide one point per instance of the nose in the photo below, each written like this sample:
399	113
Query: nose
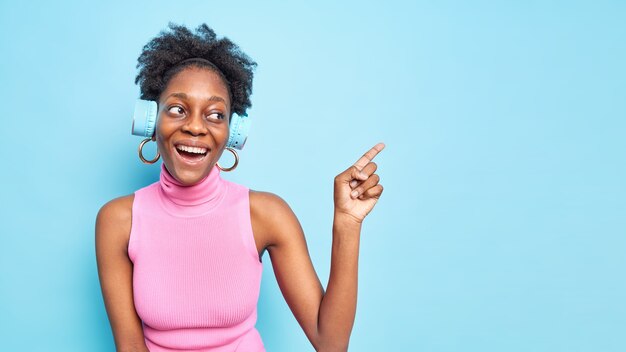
195	124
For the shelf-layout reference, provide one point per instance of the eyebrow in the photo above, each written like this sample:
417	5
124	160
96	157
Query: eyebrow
184	96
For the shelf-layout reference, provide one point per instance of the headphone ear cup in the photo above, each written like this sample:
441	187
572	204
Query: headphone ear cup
239	129
144	118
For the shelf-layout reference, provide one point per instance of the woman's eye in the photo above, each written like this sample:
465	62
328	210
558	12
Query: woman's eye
216	115
176	110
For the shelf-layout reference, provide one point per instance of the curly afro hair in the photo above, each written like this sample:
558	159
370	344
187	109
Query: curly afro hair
161	59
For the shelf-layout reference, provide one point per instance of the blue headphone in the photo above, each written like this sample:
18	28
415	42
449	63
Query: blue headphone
145	118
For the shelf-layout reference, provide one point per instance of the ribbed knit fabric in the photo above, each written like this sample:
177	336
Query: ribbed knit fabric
196	272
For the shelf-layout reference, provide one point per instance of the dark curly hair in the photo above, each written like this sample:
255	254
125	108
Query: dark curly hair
160	58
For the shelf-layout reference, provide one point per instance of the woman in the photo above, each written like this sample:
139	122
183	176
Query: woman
179	260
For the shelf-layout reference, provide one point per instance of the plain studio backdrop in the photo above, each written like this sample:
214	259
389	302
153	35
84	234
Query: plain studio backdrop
502	223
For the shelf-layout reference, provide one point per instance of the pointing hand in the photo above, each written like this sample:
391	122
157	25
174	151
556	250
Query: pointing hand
359	178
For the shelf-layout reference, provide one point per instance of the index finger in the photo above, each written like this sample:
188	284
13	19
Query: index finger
367	157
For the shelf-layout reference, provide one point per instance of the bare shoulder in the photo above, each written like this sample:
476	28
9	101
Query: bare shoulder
270	214
267	203
117	209
116	214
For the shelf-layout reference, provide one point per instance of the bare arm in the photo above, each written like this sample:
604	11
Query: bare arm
115	273
292	264
338	307
327	317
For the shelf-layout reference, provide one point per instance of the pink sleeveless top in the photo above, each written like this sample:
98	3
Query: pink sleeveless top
196	269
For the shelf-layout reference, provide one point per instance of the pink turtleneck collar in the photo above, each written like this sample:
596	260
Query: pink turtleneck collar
195	200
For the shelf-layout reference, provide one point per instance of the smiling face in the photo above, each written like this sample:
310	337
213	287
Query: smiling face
193	111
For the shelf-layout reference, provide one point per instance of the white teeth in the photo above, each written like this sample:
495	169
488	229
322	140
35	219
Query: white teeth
191	149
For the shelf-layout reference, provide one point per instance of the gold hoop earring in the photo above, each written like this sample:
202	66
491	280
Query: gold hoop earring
236	161
141	153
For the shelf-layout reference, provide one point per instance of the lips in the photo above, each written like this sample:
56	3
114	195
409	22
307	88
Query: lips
190	152
192	143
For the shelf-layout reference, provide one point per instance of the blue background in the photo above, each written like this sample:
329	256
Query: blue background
502	223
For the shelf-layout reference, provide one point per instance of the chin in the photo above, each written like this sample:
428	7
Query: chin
191	175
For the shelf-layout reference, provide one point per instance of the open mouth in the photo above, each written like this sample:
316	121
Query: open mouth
191	154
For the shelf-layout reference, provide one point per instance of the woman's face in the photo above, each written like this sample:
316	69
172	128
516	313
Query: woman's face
193	111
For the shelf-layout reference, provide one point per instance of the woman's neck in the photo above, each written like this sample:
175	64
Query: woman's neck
197	199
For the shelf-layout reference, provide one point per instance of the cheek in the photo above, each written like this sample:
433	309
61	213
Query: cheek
162	133
222	134
164	128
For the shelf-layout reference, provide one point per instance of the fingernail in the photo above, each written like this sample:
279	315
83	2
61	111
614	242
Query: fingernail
354	194
353	183
363	175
